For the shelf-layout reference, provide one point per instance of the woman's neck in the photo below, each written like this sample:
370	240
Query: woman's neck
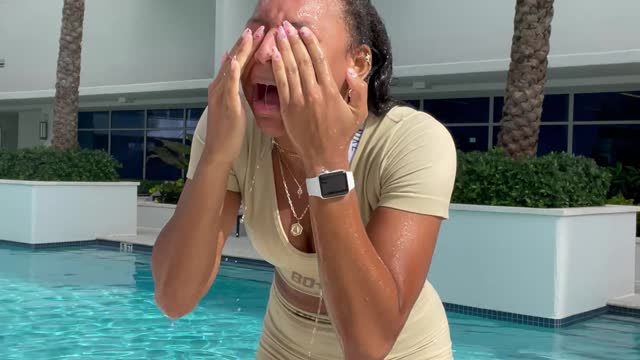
286	151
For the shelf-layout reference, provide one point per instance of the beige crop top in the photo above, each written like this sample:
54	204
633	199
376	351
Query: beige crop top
406	161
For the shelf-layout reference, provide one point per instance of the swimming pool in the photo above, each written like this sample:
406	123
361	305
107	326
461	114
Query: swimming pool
97	303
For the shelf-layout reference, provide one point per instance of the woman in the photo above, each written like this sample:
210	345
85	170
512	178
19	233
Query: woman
344	190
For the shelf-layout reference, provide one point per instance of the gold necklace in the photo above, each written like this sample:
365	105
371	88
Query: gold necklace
296	228
300	191
285	151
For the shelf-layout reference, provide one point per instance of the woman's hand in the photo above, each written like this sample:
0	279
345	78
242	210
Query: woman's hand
226	118
317	118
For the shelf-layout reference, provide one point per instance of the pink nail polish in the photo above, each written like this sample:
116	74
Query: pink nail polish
281	33
275	54
290	29
259	33
352	73
305	32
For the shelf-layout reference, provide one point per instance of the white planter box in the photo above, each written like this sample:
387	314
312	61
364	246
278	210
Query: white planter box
52	212
638	266
550	263
152	215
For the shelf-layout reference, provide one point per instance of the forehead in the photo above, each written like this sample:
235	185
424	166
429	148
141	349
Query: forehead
318	15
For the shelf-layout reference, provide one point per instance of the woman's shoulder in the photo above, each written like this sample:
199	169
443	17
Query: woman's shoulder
406	124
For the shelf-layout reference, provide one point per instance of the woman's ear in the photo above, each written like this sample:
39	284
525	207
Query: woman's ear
363	61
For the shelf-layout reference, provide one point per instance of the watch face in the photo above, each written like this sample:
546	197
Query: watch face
334	184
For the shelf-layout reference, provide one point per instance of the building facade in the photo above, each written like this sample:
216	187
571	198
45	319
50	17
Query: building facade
147	63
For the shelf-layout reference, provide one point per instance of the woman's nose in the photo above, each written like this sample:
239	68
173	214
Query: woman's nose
265	50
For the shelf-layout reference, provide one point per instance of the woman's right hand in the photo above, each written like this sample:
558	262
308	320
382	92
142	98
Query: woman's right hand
226	118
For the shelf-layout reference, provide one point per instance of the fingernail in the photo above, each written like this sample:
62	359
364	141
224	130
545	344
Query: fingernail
259	33
352	73
281	33
290	29
275	54
305	32
246	32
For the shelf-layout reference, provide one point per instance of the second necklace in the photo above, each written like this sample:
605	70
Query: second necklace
296	228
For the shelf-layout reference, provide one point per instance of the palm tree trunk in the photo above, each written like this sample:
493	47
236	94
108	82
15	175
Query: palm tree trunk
66	105
527	77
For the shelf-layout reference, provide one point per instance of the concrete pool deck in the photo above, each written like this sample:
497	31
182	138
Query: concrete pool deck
240	247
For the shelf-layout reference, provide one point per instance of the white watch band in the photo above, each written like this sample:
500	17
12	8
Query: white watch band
313	184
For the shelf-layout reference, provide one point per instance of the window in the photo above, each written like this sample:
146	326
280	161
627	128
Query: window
127	119
614	106
156	168
193	117
93	120
127	146
458	111
165	119
470	138
413	103
608	144
555	108
94	140
128	139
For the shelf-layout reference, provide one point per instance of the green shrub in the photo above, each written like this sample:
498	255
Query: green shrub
551	181
626	182
168	192
144	189
47	164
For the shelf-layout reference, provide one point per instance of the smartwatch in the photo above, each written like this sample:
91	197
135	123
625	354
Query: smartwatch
331	184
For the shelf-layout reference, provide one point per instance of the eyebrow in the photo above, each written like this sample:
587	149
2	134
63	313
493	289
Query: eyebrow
261	21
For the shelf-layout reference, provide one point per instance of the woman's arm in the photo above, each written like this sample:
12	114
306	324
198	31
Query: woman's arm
186	256
371	276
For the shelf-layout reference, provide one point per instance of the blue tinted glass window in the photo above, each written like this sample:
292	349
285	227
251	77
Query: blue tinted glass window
555	108
127	147
553	138
470	138
468	110
413	103
608	144
127	119
607	106
93	120
193	115
162	119
94	140
156	168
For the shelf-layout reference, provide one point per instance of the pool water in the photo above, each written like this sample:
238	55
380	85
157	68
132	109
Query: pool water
97	303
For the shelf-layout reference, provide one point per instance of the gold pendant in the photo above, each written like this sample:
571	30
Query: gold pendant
296	229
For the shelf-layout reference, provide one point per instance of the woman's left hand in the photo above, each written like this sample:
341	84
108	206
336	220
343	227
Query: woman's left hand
317	118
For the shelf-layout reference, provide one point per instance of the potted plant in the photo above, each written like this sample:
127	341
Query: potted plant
56	196
534	236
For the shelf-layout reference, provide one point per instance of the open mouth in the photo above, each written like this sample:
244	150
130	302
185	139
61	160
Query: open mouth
266	97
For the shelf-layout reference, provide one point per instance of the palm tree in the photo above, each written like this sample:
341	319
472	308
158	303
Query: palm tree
527	77
66	101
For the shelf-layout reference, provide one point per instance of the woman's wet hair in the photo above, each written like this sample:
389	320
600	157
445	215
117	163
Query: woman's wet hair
367	28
